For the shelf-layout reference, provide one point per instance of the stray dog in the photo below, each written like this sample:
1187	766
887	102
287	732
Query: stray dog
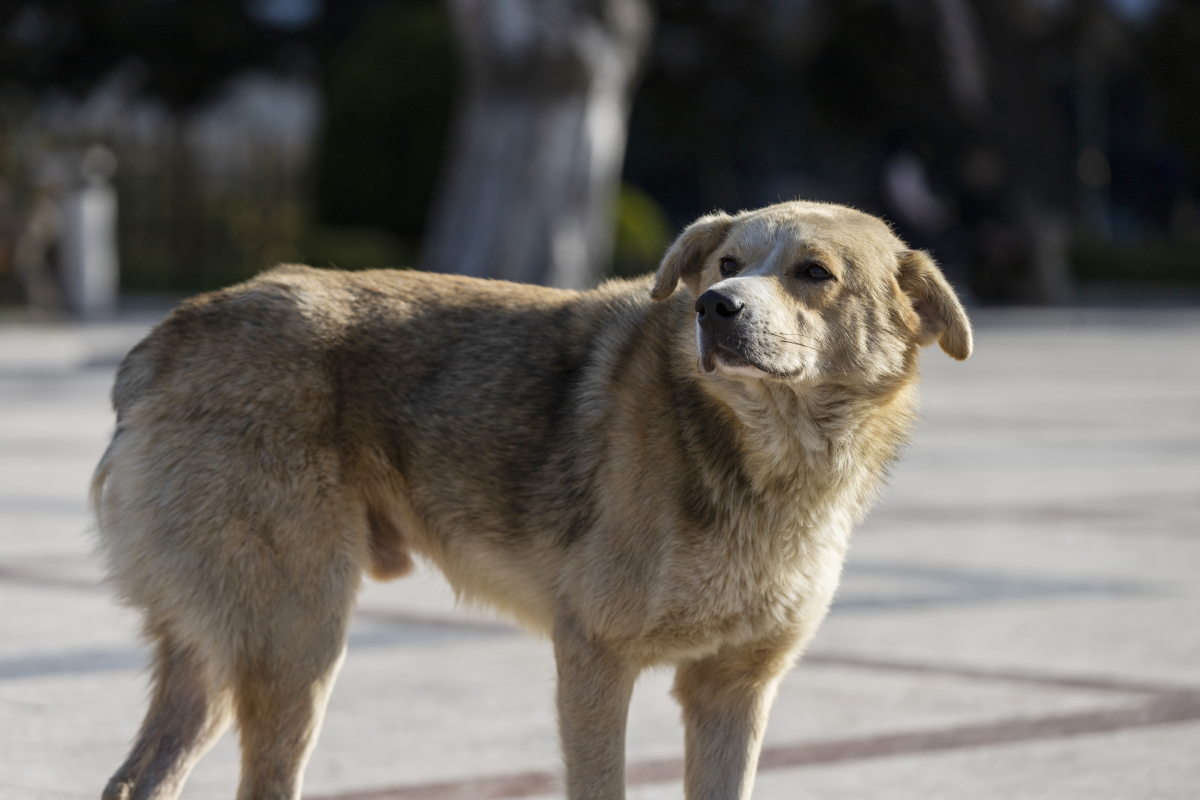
649	476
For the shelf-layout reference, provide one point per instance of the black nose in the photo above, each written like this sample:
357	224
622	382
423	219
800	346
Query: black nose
713	303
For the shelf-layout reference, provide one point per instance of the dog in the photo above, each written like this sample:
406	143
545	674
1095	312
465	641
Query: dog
649	475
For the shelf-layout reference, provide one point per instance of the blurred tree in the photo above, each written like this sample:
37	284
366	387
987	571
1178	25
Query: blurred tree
535	158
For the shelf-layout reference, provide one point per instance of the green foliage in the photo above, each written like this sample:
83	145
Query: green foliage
643	233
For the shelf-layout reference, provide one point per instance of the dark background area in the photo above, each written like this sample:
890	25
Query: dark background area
1063	131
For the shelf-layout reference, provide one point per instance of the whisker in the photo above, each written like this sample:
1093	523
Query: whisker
795	342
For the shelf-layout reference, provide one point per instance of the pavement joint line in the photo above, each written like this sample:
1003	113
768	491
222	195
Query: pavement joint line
415	631
36	791
436	628
389	617
77	662
1120	509
1007	675
73	447
1161	709
42	505
33	374
45	578
960	587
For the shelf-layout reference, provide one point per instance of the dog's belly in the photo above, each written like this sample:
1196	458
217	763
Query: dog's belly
490	569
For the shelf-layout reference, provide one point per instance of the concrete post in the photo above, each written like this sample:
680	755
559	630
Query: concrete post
89	266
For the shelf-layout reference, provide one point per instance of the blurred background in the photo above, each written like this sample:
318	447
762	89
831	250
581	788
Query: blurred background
1045	151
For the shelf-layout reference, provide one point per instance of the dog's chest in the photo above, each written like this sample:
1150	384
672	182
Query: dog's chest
764	575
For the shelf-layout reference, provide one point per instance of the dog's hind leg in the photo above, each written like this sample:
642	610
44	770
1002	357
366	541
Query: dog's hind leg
189	710
282	684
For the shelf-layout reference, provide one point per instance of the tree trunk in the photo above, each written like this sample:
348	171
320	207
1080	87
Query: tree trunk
527	193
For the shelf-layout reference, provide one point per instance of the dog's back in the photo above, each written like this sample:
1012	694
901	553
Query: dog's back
248	409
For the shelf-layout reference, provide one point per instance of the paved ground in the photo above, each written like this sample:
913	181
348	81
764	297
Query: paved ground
1020	617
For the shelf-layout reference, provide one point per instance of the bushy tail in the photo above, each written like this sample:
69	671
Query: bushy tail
96	492
135	375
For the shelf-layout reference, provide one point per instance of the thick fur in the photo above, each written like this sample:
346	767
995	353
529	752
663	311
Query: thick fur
599	465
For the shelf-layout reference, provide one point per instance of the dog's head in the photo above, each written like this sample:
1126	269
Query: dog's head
810	293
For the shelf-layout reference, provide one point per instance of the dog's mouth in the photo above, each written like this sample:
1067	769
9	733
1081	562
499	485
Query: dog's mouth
724	357
732	362
732	356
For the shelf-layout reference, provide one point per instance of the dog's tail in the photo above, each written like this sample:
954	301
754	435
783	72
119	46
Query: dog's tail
138	371
135	376
96	491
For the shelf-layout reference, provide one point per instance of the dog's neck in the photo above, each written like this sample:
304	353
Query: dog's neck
818	436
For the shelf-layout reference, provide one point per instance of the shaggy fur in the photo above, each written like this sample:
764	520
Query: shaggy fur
649	481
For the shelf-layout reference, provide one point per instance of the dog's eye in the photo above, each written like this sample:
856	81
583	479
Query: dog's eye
728	267
816	272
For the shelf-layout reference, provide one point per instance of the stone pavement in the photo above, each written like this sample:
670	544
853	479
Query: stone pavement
1020	617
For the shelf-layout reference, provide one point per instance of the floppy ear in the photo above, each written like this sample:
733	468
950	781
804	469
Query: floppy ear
686	256
942	316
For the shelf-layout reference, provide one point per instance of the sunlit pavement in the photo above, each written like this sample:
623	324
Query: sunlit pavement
1020	617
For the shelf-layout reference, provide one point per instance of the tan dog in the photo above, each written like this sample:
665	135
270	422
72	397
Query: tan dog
666	481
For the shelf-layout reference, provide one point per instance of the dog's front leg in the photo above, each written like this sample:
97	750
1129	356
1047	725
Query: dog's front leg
726	698
594	687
